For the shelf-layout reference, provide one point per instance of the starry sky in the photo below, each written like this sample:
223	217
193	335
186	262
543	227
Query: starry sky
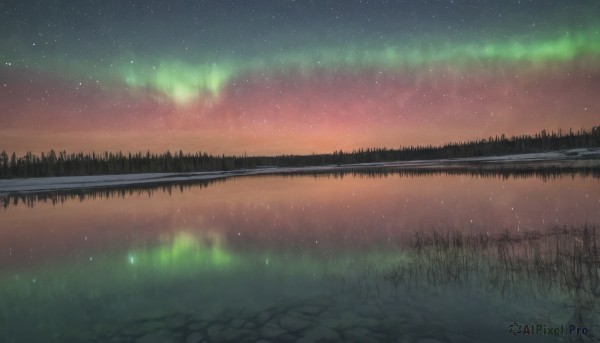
272	77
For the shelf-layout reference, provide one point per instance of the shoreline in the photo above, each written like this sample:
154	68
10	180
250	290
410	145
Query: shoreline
490	163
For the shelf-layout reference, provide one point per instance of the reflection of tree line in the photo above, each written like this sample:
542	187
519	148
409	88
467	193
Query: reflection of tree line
62	196
560	262
74	164
543	171
505	172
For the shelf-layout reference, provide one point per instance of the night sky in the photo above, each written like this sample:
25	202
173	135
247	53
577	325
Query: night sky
272	77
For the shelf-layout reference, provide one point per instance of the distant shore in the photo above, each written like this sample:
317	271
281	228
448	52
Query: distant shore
589	157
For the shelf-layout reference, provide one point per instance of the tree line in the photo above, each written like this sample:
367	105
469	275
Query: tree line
76	164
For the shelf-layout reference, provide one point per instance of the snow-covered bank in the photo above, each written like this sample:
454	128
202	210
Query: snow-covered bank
35	185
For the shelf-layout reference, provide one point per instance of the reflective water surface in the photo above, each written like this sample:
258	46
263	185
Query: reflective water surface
446	257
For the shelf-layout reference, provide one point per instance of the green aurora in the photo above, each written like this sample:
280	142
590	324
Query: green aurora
182	82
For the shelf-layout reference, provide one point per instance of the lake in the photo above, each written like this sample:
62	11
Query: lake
365	256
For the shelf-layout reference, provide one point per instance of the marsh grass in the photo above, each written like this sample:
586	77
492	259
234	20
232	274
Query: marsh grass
561	263
561	259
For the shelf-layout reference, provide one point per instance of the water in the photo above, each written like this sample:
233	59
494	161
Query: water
279	258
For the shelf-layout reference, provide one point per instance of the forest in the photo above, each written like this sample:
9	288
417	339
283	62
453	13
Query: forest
77	164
